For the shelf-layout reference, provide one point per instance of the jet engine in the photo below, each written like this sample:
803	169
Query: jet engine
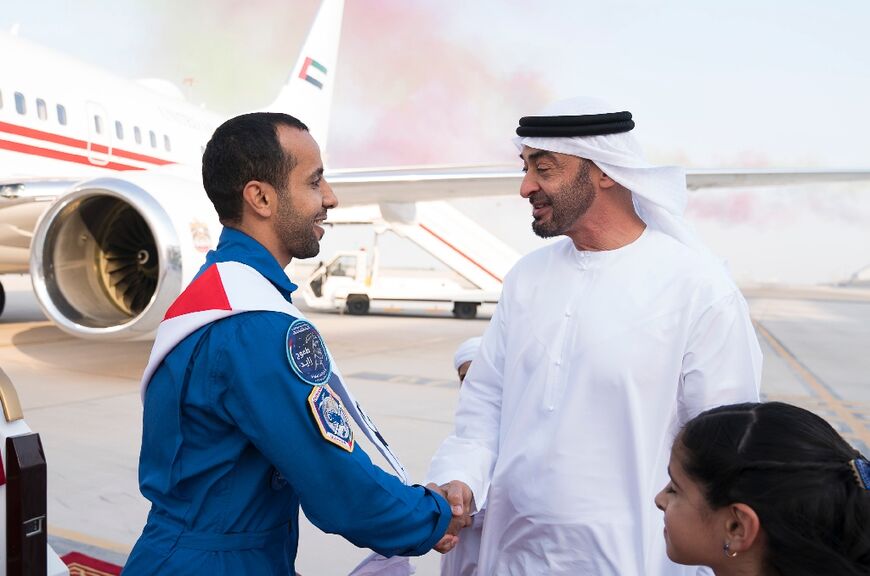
109	256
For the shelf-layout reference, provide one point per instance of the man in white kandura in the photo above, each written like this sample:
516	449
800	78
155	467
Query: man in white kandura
602	345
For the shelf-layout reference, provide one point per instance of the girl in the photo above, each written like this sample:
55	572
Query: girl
767	489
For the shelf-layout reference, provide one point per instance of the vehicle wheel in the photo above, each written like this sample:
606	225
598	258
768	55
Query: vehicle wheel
357	304
2	299
465	310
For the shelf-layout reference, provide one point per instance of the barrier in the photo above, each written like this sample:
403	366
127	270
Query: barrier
24	549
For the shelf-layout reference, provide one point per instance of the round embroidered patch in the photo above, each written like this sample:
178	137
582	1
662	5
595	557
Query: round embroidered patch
307	353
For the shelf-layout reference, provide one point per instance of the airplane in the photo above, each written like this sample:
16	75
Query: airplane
102	204
100	175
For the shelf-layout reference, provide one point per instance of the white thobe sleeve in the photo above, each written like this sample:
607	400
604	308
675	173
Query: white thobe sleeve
469	453
722	362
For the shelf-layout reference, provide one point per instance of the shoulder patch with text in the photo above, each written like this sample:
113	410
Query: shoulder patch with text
331	417
307	353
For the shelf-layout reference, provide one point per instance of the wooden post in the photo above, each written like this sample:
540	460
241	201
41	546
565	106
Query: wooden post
26	503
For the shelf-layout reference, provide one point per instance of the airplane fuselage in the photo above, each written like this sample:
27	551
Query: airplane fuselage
53	123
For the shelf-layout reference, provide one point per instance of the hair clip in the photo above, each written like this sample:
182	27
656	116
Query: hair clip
861	469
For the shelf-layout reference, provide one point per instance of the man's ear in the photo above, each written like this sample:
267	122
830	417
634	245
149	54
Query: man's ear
258	197
601	180
743	528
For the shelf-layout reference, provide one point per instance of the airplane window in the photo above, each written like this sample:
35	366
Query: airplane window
119	130
166	143
153	138
20	104
137	135
41	110
98	124
61	114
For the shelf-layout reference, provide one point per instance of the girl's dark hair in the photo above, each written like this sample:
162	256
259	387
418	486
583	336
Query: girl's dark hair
792	468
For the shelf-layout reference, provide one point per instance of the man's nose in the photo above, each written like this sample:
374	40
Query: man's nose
329	198
529	185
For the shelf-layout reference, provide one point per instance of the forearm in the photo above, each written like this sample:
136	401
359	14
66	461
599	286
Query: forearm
405	521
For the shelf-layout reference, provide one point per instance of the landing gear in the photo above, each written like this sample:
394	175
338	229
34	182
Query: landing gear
465	310
357	304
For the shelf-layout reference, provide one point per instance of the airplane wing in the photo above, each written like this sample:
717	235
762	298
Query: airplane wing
736	178
33	189
360	187
22	202
373	186
164	213
416	184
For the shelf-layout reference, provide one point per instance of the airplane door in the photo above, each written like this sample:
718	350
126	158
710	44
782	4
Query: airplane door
99	136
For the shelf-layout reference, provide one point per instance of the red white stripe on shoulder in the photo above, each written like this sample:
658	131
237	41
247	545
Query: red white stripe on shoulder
204	293
224	289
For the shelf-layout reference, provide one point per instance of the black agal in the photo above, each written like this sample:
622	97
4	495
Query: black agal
568	126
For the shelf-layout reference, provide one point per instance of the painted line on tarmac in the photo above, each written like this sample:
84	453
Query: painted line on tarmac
89	540
831	401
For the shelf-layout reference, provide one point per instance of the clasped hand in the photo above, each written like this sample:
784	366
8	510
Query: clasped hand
461	501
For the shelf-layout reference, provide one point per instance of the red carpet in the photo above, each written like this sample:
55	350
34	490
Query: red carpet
83	565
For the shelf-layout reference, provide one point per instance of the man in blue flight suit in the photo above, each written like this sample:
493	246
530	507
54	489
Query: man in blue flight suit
241	425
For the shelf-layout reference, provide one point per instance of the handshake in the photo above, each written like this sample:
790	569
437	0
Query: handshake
461	501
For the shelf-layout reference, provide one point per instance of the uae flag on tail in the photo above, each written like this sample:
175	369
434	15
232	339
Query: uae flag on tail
313	72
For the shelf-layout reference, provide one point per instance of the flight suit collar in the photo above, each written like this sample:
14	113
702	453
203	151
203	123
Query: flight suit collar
236	246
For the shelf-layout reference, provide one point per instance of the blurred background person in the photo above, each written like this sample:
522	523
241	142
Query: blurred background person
464	355
462	560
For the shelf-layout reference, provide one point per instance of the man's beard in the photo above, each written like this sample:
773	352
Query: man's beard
295	231
569	203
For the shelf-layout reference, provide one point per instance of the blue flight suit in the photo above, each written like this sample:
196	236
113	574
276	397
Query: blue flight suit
230	450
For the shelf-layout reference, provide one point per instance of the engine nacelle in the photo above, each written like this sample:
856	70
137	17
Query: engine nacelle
109	256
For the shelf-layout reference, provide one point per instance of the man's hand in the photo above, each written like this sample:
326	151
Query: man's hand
461	501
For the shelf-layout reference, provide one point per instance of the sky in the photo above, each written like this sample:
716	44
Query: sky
710	84
743	83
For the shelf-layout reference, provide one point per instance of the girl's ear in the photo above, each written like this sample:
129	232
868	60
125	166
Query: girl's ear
743	527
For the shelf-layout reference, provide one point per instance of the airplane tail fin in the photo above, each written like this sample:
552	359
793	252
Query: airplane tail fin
307	95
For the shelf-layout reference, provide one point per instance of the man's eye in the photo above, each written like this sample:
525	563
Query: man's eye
670	488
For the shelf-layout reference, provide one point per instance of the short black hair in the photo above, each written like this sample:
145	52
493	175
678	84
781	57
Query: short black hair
242	149
792	468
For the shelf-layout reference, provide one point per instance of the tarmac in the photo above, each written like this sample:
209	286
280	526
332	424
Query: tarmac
83	399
